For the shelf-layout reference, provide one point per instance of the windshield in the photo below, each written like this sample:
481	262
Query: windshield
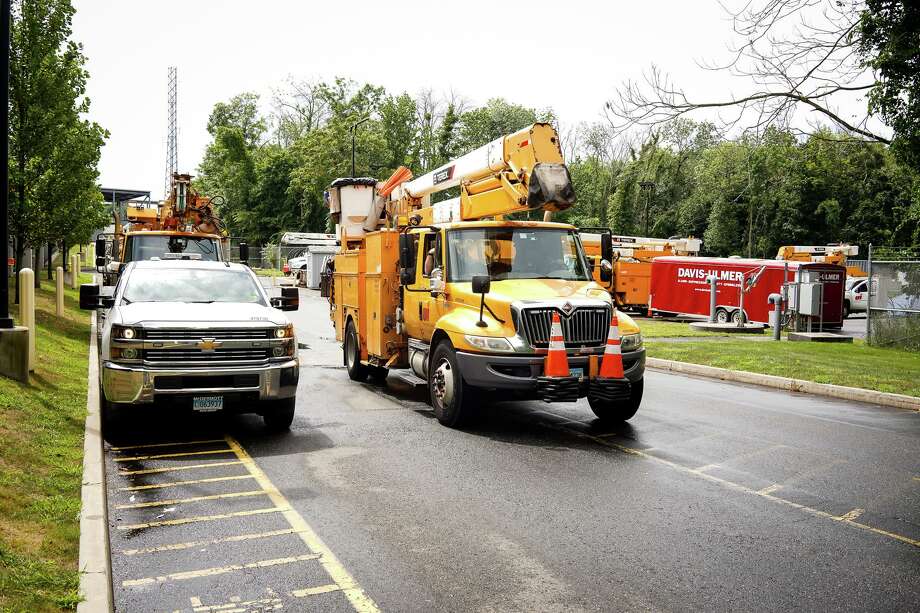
191	285
155	245
515	253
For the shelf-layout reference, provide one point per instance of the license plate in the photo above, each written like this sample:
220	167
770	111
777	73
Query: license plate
577	372
207	404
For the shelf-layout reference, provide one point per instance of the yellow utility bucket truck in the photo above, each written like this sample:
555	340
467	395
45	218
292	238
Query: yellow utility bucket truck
465	297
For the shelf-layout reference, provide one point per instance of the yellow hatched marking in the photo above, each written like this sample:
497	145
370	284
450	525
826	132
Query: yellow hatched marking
181	454
200	518
770	489
157	486
163	503
196	602
189	545
851	515
706	467
742	488
313	591
150	471
267	604
176	444
218	570
342	578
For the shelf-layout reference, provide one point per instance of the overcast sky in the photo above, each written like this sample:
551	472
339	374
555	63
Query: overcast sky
570	56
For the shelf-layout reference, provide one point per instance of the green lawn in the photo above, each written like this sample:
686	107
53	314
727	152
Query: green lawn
856	365
655	328
267	272
41	463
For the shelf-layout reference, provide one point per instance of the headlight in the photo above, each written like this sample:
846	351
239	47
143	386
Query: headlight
489	343
631	342
124	332
285	331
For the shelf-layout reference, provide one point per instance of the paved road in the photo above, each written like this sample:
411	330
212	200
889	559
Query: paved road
715	496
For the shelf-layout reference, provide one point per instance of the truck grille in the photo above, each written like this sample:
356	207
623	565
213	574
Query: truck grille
585	327
173	356
218	333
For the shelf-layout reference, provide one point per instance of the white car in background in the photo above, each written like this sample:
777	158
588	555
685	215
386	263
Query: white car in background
297	263
856	297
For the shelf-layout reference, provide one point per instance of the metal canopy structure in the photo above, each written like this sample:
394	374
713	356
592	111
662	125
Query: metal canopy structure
114	196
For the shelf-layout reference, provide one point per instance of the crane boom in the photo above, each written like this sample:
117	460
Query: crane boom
523	171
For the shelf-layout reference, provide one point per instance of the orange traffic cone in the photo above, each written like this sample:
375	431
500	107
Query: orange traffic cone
557	364
612	363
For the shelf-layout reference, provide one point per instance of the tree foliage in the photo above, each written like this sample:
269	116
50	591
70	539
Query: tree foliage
54	152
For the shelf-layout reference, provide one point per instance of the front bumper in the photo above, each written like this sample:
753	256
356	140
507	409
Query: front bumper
141	385
521	372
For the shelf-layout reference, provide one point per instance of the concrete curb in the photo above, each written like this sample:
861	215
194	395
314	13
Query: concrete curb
95	565
899	401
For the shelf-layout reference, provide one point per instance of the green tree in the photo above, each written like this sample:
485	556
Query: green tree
890	38
53	152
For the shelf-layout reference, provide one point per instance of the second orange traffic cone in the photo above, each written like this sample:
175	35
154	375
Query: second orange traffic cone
557	364
612	363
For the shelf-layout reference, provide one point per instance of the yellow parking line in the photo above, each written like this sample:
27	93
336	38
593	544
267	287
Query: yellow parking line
156	486
166	469
218	570
189	545
262	604
176	444
770	489
158	456
851	515
163	503
313	591
199	518
742	488
355	594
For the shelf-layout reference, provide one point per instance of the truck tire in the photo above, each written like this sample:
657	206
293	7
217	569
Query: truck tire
108	415
722	316
279	415
738	317
352	351
846	309
451	397
619	410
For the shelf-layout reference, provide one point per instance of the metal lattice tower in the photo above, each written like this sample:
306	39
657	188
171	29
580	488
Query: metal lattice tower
172	154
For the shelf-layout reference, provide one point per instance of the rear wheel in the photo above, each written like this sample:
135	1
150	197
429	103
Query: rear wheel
619	410
451	398
722	316
356	370
738	317
280	415
846	309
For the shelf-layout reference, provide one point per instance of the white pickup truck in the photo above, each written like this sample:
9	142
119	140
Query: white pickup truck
856	297
198	336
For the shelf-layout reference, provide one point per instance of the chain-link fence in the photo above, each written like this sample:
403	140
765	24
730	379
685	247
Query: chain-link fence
893	317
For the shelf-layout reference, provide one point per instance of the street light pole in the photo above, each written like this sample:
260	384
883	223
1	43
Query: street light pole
354	129
648	187
6	321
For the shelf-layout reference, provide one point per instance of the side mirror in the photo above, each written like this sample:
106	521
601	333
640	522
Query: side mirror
288	301
89	296
606	270
244	252
481	284
100	261
436	283
607	247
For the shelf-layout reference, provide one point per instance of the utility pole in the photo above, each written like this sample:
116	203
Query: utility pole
354	129
6	321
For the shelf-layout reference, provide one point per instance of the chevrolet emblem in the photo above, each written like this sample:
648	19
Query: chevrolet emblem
208	345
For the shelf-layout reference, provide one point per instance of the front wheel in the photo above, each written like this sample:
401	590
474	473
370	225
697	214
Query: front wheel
352	349
280	415
722	316
451	398
619	410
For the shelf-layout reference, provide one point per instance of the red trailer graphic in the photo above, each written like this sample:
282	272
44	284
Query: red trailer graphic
680	285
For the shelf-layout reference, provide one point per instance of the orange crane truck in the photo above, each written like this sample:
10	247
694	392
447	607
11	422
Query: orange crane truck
465	297
184	226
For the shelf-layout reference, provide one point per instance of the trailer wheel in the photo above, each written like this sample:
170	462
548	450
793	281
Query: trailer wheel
450	396
722	316
738	317
352	349
619	410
